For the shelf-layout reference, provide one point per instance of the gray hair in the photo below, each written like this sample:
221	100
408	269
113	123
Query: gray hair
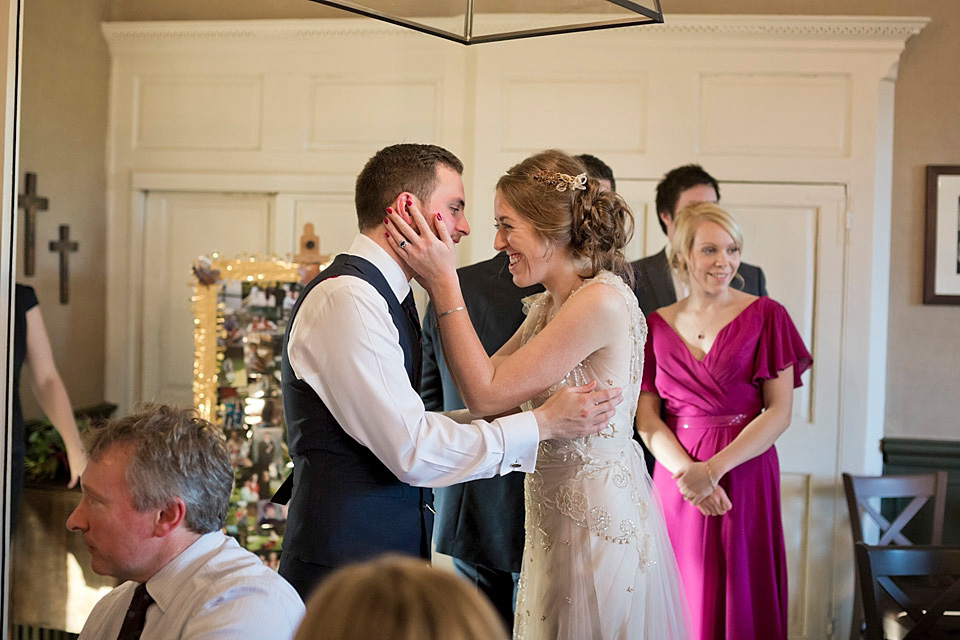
176	454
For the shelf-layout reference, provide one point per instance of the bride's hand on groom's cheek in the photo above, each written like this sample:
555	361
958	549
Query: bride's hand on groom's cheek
428	250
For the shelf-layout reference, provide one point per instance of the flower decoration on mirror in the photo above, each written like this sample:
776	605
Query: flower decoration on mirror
561	181
204	272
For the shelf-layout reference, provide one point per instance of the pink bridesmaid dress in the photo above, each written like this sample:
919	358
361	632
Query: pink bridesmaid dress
733	567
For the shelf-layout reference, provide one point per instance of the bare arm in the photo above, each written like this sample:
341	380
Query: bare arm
489	386
658	437
697	480
668	451
492	385
509	347
51	394
503	353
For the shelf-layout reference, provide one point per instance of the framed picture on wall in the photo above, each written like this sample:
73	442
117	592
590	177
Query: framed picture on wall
941	273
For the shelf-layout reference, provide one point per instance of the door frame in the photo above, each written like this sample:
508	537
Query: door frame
11	28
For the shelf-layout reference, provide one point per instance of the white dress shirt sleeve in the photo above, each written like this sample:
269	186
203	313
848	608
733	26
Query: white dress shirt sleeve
344	344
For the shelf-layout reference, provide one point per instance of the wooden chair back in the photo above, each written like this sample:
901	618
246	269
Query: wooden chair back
862	492
921	488
933	589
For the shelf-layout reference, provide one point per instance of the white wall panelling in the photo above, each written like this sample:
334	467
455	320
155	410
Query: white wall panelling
196	113
541	107
775	115
352	112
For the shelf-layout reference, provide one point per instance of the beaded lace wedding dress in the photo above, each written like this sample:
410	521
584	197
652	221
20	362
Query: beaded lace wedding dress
597	562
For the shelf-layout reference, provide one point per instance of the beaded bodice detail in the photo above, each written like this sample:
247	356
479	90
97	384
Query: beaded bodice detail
618	432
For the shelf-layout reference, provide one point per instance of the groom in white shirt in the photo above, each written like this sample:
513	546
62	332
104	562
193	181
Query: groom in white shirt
362	444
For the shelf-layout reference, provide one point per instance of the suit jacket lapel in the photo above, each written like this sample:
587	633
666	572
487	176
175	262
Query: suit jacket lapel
662	280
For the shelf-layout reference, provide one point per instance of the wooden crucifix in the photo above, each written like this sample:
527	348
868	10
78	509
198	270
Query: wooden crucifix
30	202
64	246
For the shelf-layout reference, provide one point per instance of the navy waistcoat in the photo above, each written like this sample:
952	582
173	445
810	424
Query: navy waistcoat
346	505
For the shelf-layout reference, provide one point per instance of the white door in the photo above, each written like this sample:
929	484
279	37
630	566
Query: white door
332	214
180	227
796	233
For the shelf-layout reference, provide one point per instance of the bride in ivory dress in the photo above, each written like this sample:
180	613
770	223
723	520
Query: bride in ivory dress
597	563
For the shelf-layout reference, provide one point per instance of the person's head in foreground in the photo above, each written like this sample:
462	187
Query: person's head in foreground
396	597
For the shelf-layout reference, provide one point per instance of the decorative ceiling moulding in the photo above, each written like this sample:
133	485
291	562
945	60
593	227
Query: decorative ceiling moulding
737	30
814	28
856	27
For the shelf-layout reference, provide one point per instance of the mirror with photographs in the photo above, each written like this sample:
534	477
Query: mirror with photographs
241	310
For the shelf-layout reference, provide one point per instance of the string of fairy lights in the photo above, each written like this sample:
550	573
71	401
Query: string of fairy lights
209	333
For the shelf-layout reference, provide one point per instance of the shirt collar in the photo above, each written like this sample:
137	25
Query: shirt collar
165	584
366	248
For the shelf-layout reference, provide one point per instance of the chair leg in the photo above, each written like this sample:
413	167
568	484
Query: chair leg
857	622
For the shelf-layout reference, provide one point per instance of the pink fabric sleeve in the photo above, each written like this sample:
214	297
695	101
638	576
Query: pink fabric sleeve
780	346
649	379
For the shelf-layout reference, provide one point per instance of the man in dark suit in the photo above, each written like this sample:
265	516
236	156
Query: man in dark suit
479	523
654	282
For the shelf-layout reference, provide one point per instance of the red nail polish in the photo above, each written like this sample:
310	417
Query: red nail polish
388	233
439	217
389	209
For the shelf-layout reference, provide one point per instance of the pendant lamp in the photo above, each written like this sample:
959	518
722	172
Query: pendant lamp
478	21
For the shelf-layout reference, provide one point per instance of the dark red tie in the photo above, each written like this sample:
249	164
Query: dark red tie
136	614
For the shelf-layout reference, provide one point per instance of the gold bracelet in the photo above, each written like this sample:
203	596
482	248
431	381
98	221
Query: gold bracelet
713	483
454	310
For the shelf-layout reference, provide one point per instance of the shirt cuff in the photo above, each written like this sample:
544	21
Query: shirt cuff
521	439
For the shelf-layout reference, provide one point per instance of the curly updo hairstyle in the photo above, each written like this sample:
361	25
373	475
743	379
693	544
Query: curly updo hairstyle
595	224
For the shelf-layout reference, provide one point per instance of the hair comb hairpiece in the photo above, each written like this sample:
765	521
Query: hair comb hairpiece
561	181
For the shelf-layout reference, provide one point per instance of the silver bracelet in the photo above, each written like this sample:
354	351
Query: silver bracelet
454	310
